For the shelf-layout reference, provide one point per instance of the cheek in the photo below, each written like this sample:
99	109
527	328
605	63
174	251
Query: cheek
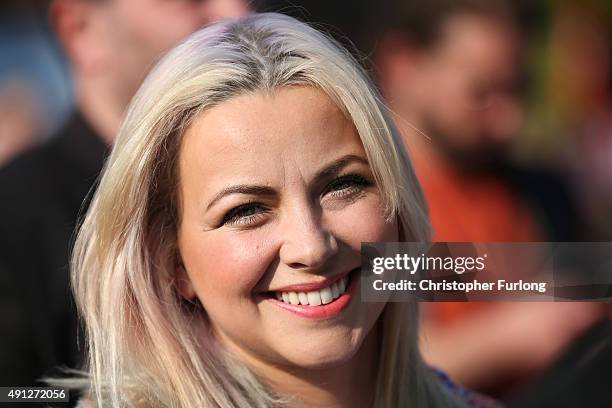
221	264
363	221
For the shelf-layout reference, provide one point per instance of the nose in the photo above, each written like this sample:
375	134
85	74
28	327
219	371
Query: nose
307	244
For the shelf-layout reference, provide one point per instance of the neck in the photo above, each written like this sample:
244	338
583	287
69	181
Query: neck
351	384
99	107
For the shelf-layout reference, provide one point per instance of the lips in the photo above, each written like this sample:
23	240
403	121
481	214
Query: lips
322	300
314	297
308	287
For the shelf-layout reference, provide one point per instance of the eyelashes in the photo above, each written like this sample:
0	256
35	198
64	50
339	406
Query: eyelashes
348	188
245	214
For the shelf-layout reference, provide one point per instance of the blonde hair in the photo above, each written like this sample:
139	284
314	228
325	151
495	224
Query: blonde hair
142	348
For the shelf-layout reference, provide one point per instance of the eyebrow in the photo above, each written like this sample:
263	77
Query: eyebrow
335	167
251	189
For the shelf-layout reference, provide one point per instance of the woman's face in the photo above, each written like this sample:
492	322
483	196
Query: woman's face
276	198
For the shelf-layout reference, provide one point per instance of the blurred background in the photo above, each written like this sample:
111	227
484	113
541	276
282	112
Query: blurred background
35	87
564	86
505	107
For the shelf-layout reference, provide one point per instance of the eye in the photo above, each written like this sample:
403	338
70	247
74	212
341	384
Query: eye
347	186
244	215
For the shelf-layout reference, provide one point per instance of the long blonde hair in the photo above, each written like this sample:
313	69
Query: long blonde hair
142	348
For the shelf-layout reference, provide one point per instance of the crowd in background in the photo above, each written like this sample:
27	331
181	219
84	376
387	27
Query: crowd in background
505	108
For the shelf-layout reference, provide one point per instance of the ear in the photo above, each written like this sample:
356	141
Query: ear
185	287
75	24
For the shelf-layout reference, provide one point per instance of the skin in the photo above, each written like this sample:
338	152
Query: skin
300	230
461	92
112	44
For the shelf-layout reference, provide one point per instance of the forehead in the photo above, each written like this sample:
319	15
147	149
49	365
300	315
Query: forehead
256	133
481	38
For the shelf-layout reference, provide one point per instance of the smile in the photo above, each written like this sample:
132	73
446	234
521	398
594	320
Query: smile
318	302
315	297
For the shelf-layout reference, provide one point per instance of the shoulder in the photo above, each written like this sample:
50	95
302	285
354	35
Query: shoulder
33	210
27	176
53	176
470	398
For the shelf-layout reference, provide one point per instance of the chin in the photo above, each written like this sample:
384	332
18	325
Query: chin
325	353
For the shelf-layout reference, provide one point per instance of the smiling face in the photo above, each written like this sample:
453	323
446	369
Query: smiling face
276	196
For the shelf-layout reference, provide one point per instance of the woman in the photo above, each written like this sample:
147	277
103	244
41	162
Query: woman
218	263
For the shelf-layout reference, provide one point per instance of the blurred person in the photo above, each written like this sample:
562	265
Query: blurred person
450	71
20	117
577	107
110	45
34	86
578	378
574	112
229	275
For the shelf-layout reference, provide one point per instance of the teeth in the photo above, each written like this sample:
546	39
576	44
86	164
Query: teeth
293	298
335	291
316	297
326	295
342	284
